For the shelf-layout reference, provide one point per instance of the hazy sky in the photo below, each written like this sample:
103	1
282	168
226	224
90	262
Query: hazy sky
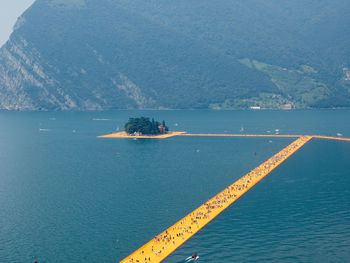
9	11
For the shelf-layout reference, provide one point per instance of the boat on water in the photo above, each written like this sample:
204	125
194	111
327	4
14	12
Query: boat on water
194	257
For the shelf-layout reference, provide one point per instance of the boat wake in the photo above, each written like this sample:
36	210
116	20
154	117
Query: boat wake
96	119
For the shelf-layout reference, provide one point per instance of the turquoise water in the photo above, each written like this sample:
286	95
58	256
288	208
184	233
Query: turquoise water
65	196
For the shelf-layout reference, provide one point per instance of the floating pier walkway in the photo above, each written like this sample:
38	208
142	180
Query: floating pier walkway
182	133
331	138
166	242
125	135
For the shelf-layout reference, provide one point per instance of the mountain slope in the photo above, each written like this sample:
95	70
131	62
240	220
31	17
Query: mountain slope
89	54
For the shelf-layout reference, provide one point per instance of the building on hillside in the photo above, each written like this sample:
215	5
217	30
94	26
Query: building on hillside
287	106
255	108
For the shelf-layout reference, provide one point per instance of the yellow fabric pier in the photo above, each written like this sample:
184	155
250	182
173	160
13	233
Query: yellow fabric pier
166	242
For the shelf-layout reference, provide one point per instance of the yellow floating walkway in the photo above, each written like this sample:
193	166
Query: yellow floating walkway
241	135
331	138
165	243
123	134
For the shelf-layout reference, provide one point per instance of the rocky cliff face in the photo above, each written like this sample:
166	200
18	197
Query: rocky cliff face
102	54
28	82
23	83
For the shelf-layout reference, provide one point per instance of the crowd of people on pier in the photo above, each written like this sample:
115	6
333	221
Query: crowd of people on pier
169	240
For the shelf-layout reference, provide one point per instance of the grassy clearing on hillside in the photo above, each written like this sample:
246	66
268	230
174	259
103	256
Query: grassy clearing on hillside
301	86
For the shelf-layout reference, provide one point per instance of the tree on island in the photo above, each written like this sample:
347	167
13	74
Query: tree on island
144	126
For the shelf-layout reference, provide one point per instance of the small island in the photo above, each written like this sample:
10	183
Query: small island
143	127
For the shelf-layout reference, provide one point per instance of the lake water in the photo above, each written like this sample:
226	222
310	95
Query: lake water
65	196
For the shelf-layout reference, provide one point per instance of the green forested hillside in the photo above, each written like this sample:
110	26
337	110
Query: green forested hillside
115	54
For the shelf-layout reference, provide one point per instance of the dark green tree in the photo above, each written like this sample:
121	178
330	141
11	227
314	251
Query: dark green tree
166	127
143	125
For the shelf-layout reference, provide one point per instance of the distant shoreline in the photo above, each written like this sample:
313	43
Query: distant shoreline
189	109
